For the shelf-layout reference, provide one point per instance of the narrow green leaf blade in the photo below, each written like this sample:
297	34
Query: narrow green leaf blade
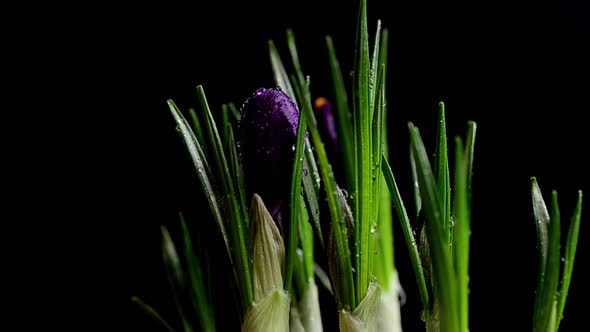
152	313
550	283
343	115
202	168
443	272
404	220
541	222
345	294
415	185
234	211
377	268
300	78
323	277
462	234
197	128
570	255
306	240
469	155
175	275
280	74
363	238
294	219
311	186
237	173
441	170
235	112
203	305
375	68
311	183
225	127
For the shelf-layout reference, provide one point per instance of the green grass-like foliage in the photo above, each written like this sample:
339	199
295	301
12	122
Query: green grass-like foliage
550	297
356	230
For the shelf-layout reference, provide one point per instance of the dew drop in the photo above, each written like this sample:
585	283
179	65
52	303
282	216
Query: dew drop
305	172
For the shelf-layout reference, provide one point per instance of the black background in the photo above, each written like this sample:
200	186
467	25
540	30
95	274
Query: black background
520	73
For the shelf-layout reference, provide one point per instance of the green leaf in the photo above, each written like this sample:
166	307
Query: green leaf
385	266
203	306
415	185
237	173
234	111
300	78
363	238
280	74
152	313
225	127
306	240
375	75
549	295
461	237
311	184
203	172
234	212
323	277
294	219
570	255
541	223
402	215
443	273
345	293
175	275
441	170
377	152
469	153
342	114
197	128
546	307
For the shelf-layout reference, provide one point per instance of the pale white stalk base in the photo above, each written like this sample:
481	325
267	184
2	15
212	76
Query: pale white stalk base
388	314
296	325
309	309
363	318
270	314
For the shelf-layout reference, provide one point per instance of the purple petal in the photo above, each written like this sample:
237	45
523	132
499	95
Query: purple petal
326	122
269	128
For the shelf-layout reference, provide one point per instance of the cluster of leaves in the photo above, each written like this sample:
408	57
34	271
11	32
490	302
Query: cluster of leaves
358	237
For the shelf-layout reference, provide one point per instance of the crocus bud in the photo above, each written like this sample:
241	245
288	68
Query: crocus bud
269	127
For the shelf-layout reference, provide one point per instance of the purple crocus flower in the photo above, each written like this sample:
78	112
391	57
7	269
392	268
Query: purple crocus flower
269	127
